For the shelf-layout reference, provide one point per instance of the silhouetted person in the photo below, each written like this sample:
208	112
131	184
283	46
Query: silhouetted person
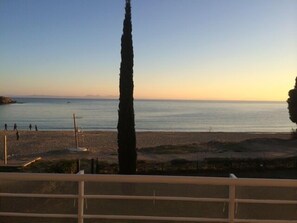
36	129
15	127
30	127
5	127
17	135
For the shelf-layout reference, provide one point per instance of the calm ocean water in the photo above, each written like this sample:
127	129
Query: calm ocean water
56	114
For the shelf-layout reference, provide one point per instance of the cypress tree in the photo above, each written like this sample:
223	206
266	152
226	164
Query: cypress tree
292	103
126	124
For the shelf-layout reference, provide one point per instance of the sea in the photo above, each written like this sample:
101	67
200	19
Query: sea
54	114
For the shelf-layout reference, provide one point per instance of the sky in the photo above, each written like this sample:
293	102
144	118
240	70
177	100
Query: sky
183	49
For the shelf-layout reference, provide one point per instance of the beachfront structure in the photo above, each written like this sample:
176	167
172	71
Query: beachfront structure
126	123
79	197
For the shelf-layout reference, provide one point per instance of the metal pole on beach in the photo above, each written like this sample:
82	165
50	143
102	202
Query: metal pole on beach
75	131
5	150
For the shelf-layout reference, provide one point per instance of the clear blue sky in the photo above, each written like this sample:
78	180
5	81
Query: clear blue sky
184	49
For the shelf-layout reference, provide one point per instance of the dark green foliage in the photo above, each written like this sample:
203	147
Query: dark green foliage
292	103
172	149
126	123
179	162
294	133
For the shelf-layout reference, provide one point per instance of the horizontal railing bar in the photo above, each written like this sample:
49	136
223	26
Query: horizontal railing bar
113	178
251	182
38	195
37	215
263	221
155	218
162	198
266	201
150	179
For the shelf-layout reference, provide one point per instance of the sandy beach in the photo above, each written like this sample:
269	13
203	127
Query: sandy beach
157	146
152	146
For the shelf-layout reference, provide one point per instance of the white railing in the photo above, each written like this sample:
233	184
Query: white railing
233	183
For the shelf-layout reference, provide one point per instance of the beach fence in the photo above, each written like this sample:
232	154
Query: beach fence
122	198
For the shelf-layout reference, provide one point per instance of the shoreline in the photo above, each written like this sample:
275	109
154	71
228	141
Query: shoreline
26	129
151	146
148	131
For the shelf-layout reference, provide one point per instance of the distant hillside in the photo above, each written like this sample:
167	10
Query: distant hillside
6	100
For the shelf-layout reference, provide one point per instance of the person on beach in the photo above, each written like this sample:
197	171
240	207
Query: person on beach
5	127
15	127
36	129
30	127
17	135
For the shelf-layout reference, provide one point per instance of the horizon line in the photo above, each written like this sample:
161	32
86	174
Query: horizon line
138	99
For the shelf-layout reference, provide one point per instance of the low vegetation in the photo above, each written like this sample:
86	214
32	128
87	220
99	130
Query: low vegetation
209	167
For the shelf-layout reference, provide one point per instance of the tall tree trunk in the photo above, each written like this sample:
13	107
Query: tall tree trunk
126	124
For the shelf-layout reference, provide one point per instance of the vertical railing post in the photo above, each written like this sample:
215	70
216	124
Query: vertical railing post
231	214
5	150
80	202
